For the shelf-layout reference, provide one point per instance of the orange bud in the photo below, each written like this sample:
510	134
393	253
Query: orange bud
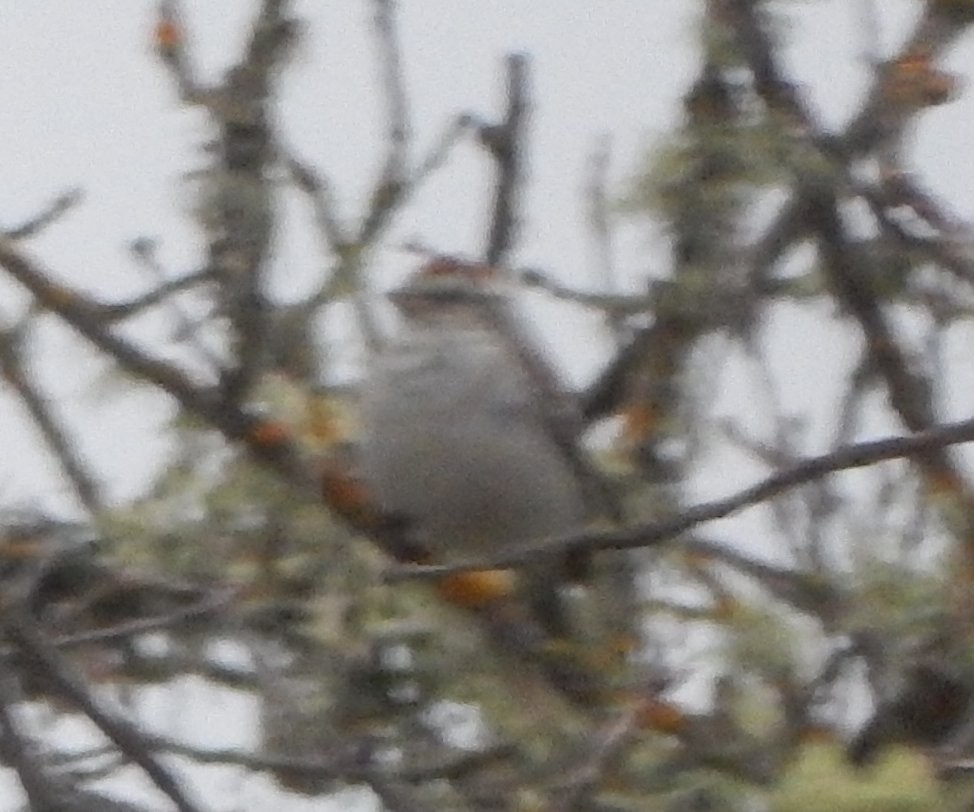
167	35
476	589
269	432
640	421
817	733
943	480
664	717
348	497
915	80
59	296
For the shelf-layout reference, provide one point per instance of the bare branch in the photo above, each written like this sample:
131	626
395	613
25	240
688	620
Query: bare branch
505	143
614	305
170	42
393	182
143	252
19	752
43	657
598	215
15	373
393	84
207	605
58	207
325	208
440	150
650	534
81	314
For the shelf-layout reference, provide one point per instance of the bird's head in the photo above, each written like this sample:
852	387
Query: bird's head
446	288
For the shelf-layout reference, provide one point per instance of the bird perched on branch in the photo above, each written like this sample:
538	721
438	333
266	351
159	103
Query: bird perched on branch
470	440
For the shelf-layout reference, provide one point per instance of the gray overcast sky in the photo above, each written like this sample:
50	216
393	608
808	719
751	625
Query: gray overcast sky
85	103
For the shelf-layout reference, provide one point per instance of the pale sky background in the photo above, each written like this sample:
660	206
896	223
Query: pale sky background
85	103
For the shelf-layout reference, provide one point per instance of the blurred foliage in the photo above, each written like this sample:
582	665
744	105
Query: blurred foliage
819	780
751	677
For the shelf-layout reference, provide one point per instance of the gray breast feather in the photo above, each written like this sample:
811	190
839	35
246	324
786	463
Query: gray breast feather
457	444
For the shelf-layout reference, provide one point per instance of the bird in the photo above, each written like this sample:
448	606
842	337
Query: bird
469	436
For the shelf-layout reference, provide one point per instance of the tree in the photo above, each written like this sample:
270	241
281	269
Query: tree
259	532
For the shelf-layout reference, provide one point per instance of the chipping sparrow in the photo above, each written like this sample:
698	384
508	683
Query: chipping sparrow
468	437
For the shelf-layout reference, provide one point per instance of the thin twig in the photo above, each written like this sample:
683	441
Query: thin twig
600	229
615	305
318	189
14	371
394	86
393	179
505	142
18	751
81	314
440	150
207	605
650	534
171	36
58	207
45	659
606	745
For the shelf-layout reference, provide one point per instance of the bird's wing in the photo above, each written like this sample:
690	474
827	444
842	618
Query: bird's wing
559	409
